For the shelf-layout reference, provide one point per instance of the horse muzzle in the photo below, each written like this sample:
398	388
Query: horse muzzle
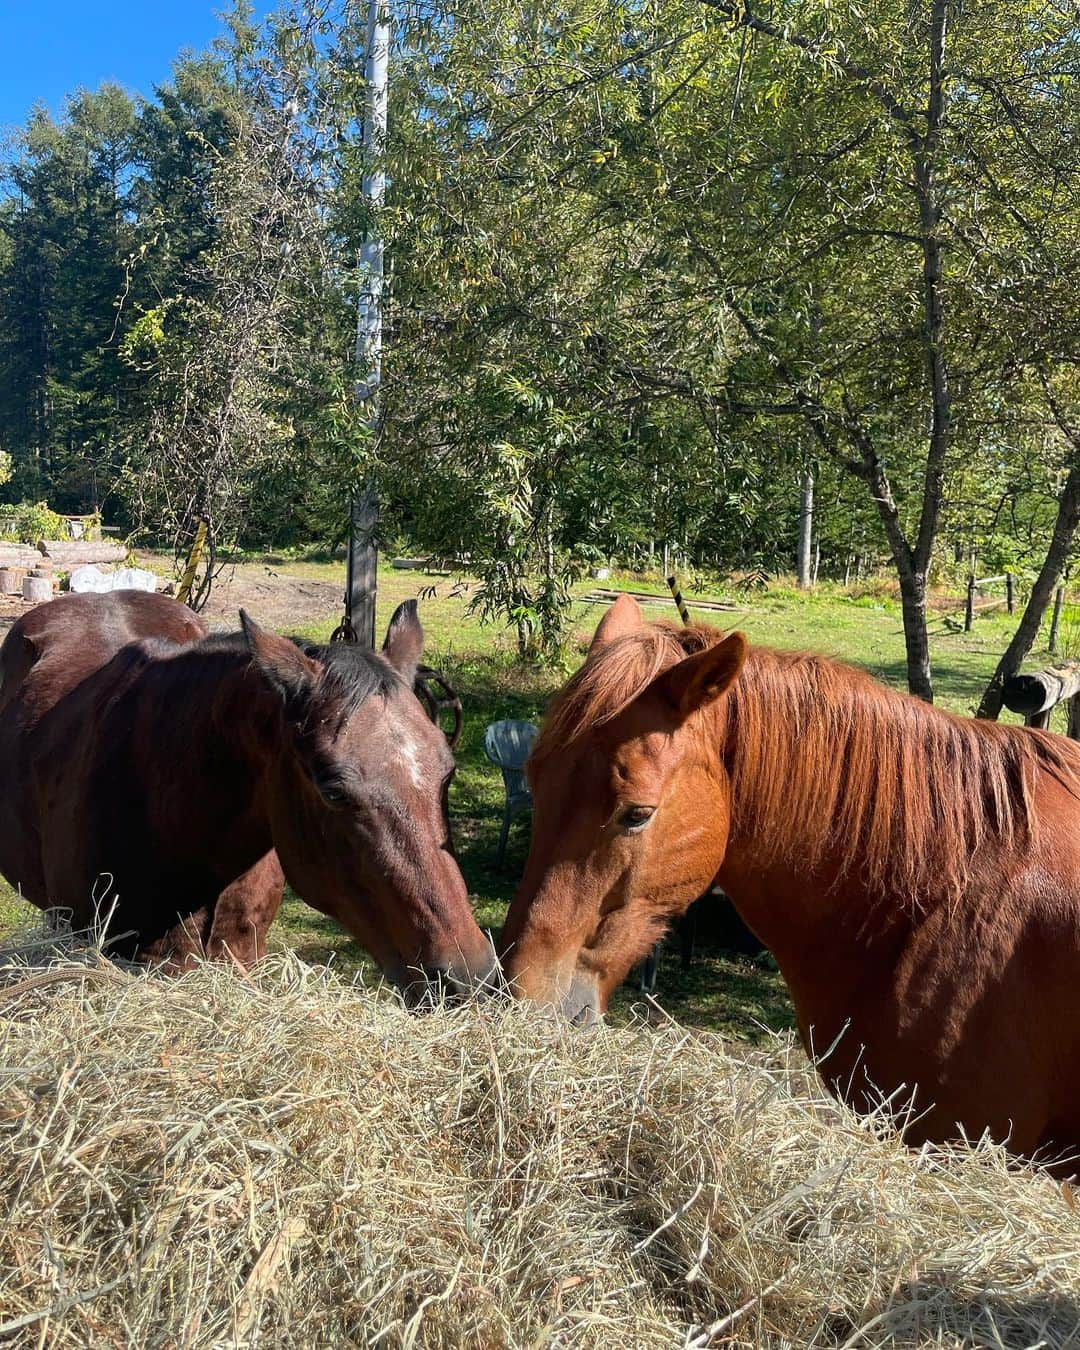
430	986
580	1004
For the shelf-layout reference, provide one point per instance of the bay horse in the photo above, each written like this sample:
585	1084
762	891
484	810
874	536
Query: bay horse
915	874
165	781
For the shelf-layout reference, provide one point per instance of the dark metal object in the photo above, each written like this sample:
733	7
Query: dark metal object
344	632
439	697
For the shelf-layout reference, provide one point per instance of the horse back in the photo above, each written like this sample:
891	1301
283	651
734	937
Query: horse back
67	639
45	658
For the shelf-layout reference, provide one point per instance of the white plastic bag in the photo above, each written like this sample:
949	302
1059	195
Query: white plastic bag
90	577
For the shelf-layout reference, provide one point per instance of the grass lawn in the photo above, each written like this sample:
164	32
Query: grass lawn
735	995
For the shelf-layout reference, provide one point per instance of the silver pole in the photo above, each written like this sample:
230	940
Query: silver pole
369	317
363	550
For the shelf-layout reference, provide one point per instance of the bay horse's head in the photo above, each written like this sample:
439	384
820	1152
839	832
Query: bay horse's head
631	809
356	790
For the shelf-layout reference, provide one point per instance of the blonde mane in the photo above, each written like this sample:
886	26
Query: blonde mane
826	762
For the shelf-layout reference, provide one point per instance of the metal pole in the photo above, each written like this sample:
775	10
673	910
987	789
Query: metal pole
360	592
806	528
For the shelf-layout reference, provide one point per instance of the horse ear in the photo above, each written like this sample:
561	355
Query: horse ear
622	618
282	664
404	644
701	679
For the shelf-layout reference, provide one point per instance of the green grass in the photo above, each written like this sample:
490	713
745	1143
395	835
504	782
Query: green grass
736	995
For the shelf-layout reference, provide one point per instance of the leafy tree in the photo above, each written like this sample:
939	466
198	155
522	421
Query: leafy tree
839	223
247	397
66	230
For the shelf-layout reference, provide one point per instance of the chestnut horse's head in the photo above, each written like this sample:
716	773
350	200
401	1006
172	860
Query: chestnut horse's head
356	790
632	808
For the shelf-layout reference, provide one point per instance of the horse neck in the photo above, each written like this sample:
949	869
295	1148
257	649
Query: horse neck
828	938
213	718
817	869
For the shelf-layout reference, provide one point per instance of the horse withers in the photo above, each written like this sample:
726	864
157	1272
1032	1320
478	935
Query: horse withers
916	874
158	781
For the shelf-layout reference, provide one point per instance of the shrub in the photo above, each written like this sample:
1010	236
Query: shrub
27	522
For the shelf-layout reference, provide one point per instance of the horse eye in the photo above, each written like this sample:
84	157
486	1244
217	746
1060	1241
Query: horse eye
632	819
331	792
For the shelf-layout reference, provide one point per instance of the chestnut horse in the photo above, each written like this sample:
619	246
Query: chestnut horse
916	874
153	776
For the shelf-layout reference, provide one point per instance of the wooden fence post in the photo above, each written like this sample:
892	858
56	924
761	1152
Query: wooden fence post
362	567
1055	622
969	612
1073	726
1010	593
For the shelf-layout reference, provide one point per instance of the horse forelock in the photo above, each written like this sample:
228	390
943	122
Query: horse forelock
612	678
349	676
828	765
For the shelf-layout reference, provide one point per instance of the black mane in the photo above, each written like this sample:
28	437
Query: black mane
350	673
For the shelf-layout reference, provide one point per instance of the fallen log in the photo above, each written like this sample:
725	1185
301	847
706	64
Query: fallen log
1038	693
19	555
68	553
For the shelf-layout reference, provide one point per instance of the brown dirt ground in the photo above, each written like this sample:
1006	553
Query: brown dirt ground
271	596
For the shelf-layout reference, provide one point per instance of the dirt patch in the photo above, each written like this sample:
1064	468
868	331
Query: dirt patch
11	607
273	598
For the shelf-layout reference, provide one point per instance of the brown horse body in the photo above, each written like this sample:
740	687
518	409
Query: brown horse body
916	874
151	777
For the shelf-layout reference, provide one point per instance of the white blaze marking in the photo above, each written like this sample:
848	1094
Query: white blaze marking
412	762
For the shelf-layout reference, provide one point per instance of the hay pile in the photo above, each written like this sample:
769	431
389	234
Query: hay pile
288	1161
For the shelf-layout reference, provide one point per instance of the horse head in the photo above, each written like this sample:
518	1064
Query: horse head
356	793
631	812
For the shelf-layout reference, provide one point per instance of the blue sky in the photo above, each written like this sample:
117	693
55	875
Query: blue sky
50	47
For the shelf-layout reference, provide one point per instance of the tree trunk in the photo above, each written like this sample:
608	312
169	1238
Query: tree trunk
916	640
806	530
1027	630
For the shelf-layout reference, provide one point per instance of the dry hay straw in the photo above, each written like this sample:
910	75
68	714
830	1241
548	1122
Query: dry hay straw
287	1160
